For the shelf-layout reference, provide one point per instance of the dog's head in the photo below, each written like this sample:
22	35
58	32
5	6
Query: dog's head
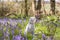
32	20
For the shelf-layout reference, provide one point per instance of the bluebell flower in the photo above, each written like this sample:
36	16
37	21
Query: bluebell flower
18	37
19	21
13	32
43	36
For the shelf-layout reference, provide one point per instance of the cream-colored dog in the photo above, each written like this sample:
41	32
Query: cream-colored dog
30	26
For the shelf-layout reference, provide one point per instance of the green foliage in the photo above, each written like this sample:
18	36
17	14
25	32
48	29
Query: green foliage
11	36
57	34
29	36
51	24
16	32
39	36
1	33
19	26
40	28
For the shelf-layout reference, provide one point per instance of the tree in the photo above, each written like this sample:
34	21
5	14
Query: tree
43	6
16	1
26	10
33	6
39	5
52	6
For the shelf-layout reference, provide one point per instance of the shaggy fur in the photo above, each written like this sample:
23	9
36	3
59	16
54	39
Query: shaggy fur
30	26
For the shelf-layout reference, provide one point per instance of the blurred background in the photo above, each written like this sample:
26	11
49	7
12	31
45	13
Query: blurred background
18	8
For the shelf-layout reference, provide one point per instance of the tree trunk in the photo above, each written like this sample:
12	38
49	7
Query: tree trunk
52	6
16	1
26	10
43	7
33	6
39	5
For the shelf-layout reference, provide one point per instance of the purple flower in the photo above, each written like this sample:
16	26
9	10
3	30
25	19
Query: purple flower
22	38
51	37
13	32
44	36
24	20
18	37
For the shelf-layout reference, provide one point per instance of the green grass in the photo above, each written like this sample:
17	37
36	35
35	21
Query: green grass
39	28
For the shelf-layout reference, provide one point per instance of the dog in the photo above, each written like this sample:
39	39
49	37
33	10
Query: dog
30	27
